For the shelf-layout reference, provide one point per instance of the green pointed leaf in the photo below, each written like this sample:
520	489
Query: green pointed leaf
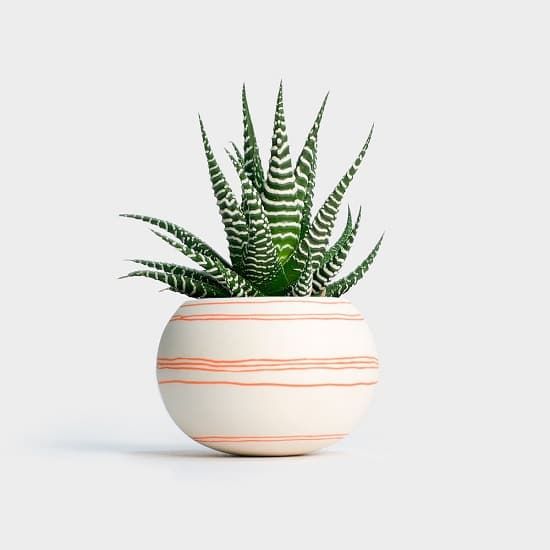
177	282
232	218
251	154
320	230
235	284
342	239
239	168
304	173
238	153
262	265
304	285
186	237
177	269
336	255
343	285
260	256
279	193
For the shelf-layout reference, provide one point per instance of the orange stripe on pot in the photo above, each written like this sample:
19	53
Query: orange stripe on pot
254	440
269	369
269	384
342	358
183	364
237	438
270	440
269	317
206	369
264	364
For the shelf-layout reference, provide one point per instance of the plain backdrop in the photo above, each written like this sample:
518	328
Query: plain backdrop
98	115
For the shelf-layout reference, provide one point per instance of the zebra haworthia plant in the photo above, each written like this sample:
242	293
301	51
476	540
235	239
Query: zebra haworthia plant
276	246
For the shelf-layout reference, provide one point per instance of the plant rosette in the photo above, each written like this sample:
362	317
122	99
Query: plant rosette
270	360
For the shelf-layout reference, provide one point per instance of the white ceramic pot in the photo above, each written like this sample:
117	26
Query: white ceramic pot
267	376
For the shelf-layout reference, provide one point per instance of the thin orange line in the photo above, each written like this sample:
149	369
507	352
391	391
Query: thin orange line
246	302
265	359
276	366
269	315
267	440
260	360
281	365
301	436
268	364
241	370
281	438
224	382
266	318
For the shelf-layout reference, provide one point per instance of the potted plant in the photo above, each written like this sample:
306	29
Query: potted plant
267	359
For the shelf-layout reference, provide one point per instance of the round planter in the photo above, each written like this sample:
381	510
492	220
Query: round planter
267	376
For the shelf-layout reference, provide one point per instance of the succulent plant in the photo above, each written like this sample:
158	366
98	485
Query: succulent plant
276	245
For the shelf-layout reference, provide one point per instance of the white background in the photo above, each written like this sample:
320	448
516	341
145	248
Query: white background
98	115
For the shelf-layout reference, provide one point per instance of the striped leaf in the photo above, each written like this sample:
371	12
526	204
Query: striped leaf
239	168
262	265
304	285
251	154
179	270
336	255
232	218
186	237
279	195
177	282
238	154
304	173
343	285
260	256
321	228
235	284
342	239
